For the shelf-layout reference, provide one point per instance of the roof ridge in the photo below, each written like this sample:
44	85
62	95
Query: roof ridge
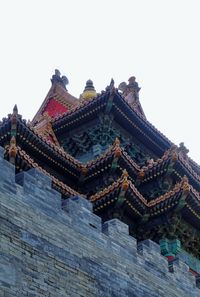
145	120
82	103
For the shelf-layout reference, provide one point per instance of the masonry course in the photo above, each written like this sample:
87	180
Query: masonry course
53	248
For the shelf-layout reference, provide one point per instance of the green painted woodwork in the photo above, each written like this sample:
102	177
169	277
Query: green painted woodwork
92	139
171	226
156	187
103	131
170	247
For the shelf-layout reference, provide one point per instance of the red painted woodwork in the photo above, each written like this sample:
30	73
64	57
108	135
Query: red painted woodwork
55	108
170	258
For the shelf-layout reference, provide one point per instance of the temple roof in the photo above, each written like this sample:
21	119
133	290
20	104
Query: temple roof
31	136
126	116
127	182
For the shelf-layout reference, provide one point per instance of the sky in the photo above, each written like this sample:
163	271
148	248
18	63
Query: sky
157	41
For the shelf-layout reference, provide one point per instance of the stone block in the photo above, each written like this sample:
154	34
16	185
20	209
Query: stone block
83	202
45	256
180	270
179	265
36	193
80	211
198	281
118	232
148	246
43	181
27	181
191	261
150	252
1	152
8	271
115	226
7	171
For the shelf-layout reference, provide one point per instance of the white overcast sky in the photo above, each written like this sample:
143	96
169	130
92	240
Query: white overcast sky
158	41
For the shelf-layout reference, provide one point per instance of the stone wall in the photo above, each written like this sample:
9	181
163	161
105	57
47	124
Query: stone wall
51	250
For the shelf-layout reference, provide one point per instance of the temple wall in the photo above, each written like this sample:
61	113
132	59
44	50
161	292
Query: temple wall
49	250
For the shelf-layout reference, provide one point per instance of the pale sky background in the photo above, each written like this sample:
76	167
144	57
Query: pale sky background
158	41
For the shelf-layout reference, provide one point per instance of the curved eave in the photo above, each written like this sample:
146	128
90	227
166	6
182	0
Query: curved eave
5	132
105	161
154	170
130	200
184	168
182	196
195	166
144	127
194	217
33	143
136	128
173	162
62	187
128	117
130	196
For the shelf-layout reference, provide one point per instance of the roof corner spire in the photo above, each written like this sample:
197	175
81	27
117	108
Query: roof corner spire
111	86
15	110
14	116
183	151
112	83
130	92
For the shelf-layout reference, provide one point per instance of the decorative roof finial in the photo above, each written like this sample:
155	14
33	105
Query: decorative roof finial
117	141
130	92
56	78
57	72
12	151
112	83
131	88
186	186
15	110
118	150
89	91
183	151
111	86
14	117
125	183
65	80
182	147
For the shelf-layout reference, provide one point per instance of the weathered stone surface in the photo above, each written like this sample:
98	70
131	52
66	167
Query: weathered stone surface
49	250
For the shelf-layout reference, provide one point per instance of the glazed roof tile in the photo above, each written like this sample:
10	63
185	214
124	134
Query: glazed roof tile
159	204
151	168
187	165
63	187
105	95
97	103
171	156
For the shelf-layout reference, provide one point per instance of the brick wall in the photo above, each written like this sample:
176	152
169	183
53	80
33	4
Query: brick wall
49	249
